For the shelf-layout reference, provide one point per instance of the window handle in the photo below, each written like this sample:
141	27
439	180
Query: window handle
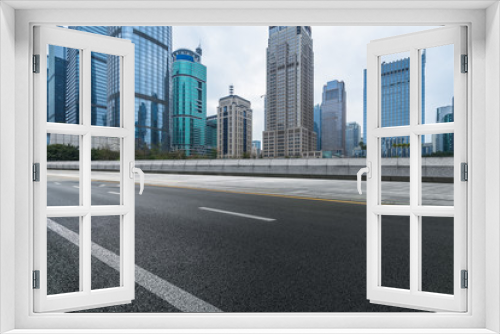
368	171
139	171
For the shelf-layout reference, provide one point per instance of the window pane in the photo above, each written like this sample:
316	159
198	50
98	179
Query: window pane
395	170
395	251
63	170
395	91
63	85
106	167
63	255
105	252
105	92
438	170
437	103
437	254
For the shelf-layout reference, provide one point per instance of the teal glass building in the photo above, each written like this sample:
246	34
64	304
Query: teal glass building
189	81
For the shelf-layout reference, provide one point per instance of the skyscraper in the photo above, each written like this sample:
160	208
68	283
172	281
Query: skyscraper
317	126
443	142
189	102
290	92
99	82
333	118
153	98
56	82
352	138
395	102
211	132
234	117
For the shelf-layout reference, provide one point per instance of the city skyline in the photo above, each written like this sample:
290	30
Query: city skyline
339	54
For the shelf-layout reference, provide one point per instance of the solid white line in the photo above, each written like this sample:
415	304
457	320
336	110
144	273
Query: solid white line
112	192
175	296
77	187
238	214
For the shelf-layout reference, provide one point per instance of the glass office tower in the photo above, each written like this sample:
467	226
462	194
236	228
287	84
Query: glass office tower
317	126
189	103
333	117
153	98
395	101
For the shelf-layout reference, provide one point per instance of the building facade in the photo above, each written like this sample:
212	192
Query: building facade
234	117
211	132
395	103
317	126
289	123
256	148
333	118
56	82
443	142
352	138
189	102
153	84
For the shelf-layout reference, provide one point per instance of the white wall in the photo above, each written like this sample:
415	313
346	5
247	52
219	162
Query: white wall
7	159
492	164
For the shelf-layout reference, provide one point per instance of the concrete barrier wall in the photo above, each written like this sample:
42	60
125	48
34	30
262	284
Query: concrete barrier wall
433	169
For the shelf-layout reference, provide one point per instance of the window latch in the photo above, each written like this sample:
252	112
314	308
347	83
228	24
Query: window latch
368	171
139	171
464	171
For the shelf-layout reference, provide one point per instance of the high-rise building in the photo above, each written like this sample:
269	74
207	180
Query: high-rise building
56	82
211	132
189	102
352	138
234	117
256	148
443	142
395	102
333	118
317	126
99	82
289	127
153	85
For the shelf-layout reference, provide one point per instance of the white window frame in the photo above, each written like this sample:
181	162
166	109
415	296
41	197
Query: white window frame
484	212
414	297
86	297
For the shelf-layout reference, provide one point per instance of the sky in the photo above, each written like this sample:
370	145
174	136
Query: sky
237	55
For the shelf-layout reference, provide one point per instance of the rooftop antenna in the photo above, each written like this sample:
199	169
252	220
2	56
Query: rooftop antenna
231	90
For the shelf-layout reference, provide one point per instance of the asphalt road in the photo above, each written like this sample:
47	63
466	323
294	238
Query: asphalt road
311	257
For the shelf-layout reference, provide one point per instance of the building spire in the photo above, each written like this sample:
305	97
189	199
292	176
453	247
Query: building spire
231	89
199	50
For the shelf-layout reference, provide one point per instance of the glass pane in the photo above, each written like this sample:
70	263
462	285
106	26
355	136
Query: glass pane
437	254
395	92
395	170
437	170
395	241
105	252
106	167
437	84
105	91
63	170
63	255
63	85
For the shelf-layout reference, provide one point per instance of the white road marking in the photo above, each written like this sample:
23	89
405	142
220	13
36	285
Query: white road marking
237	214
77	187
102	185
57	183
112	192
175	296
